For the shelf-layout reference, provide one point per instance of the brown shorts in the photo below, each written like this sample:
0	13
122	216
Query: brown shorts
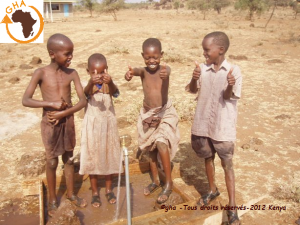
206	147
59	138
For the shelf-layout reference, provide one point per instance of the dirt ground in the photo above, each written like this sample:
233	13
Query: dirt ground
267	150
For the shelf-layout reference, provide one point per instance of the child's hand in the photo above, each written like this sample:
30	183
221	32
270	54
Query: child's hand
197	71
230	78
163	74
96	78
54	116
106	77
59	105
129	74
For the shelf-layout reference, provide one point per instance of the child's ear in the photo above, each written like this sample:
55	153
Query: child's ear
161	54
222	50
142	54
51	54
87	70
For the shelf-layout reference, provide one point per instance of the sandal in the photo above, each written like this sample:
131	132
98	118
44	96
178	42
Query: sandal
166	193
79	202
110	196
96	199
232	217
206	199
52	208
151	188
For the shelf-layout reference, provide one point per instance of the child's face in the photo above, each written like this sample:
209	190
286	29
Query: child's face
97	68
211	51
152	56
64	54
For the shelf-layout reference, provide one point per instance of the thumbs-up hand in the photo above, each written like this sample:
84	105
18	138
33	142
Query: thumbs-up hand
163	73
129	73
106	77
230	78
197	71
96	78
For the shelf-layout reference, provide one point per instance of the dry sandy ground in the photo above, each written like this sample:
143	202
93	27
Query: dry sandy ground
270	89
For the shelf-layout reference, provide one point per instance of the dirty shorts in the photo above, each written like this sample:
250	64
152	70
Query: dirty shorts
206	147
59	138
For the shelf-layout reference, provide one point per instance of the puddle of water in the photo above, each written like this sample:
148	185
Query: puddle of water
140	204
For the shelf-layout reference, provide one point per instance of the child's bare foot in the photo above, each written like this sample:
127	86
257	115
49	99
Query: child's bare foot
150	189
111	198
80	202
96	201
52	208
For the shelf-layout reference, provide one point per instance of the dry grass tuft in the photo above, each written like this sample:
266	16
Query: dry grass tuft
133	109
174	57
118	50
185	108
289	190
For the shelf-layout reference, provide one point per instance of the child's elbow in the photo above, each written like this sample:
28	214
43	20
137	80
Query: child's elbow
83	102
24	102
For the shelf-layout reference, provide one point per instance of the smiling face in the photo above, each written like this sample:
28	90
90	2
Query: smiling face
152	56
62	54
212	52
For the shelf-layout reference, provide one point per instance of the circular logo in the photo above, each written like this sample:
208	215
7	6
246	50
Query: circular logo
24	25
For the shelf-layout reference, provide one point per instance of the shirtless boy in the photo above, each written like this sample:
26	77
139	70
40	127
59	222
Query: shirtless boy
157	122
214	127
57	125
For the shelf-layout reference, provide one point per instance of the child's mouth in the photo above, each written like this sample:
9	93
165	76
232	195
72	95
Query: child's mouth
152	66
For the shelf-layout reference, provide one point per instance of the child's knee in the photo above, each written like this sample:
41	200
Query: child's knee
161	146
227	164
66	158
52	163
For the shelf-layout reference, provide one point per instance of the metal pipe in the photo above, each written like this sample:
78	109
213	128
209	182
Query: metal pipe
127	182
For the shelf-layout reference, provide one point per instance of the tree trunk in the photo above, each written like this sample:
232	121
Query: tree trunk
275	4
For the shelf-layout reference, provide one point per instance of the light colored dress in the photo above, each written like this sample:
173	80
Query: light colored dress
100	143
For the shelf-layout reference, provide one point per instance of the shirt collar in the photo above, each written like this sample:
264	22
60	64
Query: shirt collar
225	65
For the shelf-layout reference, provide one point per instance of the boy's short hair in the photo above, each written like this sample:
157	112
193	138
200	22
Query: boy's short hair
152	42
57	39
97	57
219	38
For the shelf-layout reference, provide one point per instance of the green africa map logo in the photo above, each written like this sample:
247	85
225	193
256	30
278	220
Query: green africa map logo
22	21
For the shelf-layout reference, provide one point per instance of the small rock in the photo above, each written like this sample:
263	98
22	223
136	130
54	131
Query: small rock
238	57
282	117
82	65
256	141
65	215
32	164
97	30
29	74
245	146
122	122
14	80
36	60
25	67
275	61
252	25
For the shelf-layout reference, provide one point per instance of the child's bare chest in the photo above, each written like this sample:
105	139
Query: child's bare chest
56	83
152	81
